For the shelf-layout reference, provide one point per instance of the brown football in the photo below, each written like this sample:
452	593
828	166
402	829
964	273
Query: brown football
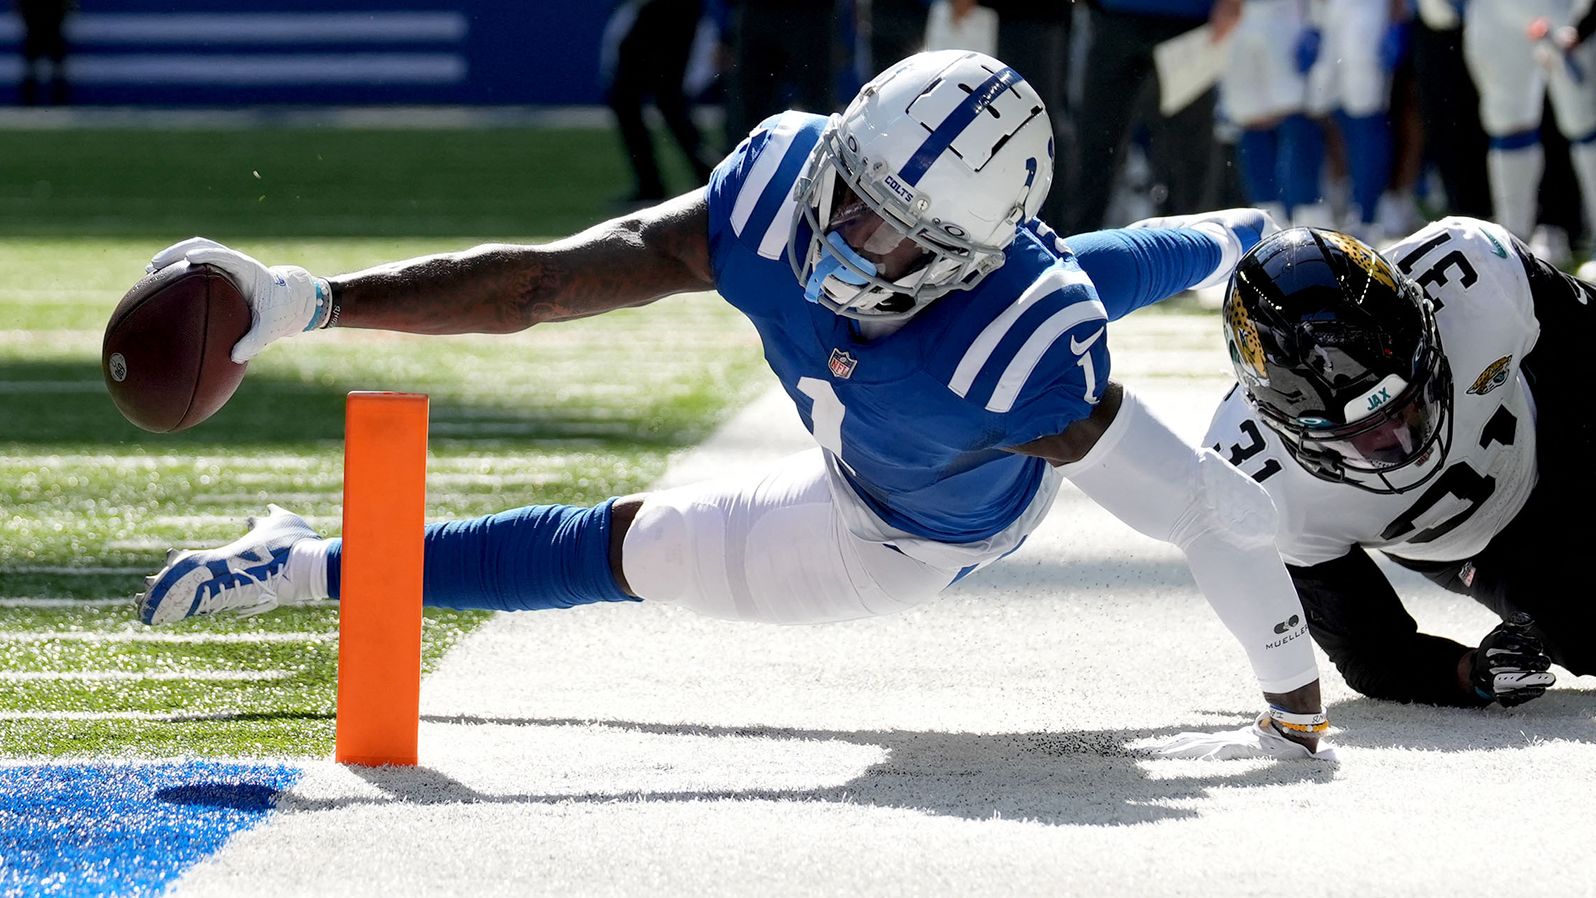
165	356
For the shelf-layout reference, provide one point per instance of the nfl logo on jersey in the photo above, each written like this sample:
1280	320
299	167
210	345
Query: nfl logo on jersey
842	364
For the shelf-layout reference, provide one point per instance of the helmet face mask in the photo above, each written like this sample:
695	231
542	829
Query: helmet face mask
1339	354
890	215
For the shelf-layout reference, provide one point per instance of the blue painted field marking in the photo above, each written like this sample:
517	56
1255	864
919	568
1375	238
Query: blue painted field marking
124	829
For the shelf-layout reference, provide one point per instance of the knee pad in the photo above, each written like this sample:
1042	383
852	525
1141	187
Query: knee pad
659	553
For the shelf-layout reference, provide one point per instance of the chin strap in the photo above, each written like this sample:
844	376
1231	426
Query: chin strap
831	265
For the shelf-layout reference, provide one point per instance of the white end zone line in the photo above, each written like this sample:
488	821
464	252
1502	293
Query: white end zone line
117	676
52	602
46	602
151	716
69	571
141	636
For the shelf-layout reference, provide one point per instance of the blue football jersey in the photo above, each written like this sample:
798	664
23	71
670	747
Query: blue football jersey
920	420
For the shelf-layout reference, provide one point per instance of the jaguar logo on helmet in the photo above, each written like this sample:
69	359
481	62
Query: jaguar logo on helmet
1244	343
1360	254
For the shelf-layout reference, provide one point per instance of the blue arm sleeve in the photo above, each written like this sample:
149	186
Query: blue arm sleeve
1135	267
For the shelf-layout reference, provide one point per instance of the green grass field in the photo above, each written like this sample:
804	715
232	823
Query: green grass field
88	504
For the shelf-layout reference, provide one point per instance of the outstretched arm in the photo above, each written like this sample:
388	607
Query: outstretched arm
496	288
1357	618
501	288
1132	464
1157	258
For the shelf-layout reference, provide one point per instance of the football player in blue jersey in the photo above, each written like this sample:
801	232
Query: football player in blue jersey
945	348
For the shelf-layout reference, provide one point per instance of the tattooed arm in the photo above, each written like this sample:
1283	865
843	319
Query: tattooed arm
495	289
501	288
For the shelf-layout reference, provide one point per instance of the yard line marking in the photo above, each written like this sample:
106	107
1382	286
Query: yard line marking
190	638
53	602
40	602
91	676
71	570
153	716
52	386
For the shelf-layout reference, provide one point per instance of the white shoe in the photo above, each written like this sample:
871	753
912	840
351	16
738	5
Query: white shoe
1398	214
1550	244
244	577
1314	215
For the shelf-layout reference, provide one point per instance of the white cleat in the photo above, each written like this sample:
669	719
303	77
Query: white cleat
244	577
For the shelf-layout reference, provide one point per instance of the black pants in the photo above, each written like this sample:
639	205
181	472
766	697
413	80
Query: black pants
1541	563
783	57
1035	41
43	38
1450	109
650	62
1118	74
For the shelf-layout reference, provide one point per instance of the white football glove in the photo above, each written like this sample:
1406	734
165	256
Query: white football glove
1237	230
1243	218
1257	741
283	300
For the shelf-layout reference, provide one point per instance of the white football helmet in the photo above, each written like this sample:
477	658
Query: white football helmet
920	185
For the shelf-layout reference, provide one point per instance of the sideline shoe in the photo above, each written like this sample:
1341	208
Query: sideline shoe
243	577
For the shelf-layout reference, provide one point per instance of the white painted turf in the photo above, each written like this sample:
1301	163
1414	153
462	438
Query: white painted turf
975	746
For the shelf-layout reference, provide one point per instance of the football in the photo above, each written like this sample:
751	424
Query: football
165	356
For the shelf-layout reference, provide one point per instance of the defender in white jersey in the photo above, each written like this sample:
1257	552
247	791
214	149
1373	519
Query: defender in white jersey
1435	410
946	349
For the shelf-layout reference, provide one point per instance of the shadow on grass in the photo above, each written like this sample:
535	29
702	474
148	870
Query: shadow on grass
1564	713
1085	777
65	403
251	797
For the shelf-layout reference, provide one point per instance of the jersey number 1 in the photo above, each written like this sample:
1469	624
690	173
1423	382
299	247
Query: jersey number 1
826	414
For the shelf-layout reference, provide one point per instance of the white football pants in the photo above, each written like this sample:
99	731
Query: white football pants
769	547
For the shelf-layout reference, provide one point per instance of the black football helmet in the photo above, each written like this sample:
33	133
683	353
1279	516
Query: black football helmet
1339	354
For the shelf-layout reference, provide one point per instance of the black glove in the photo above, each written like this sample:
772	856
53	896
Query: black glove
1510	665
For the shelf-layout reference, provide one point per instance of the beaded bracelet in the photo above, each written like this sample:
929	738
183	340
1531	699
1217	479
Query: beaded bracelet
1315	724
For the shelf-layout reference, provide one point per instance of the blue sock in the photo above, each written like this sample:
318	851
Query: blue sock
1259	151
1368	140
1301	161
540	556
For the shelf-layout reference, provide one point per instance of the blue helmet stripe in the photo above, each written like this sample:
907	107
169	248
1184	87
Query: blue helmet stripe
938	141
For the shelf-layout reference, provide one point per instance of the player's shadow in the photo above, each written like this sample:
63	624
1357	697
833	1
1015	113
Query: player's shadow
65	403
1561	714
1083	777
1079	577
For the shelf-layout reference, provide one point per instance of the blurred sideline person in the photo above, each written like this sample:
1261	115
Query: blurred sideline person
652	41
1518	52
1264	91
1449	109
1349	52
945	348
897	30
1034	38
1118	69
780	56
44	48
1434	407
961	25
